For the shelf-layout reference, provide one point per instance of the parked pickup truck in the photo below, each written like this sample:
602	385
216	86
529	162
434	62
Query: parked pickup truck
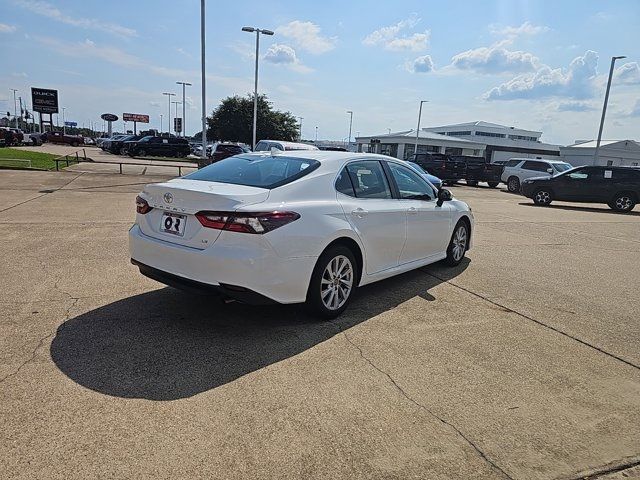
59	137
477	169
440	165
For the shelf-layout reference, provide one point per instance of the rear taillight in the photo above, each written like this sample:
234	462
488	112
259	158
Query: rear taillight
250	222
142	206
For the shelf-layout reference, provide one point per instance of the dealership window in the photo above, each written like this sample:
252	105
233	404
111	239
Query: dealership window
453	151
409	149
489	134
459	134
390	149
609	163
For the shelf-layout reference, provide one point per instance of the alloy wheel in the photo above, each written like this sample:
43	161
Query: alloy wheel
336	283
459	243
513	185
543	197
623	202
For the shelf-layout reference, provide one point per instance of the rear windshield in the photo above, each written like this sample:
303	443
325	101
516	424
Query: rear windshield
229	148
263	172
561	167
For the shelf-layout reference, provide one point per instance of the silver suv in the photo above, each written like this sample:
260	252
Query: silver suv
518	169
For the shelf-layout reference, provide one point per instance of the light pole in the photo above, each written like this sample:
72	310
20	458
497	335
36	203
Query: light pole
604	109
258	31
169	119
418	128
316	134
64	123
174	121
204	83
184	120
350	123
15	108
160	123
301	118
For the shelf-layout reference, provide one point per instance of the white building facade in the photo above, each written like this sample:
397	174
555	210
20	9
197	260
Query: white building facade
502	142
612	153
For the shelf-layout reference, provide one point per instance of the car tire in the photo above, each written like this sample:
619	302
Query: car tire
493	184
472	183
74	144
123	151
329	294
542	197
623	202
142	152
459	244
513	184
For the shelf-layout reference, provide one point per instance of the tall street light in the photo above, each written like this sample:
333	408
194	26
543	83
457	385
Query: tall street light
15	108
350	123
184	120
204	83
64	123
604	109
418	128
169	95
257	31
316	134
160	123
300	118
176	116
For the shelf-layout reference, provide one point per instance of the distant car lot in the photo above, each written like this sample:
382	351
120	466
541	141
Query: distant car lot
522	362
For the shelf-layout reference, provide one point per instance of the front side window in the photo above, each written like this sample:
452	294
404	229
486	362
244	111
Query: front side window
512	163
263	172
411	186
581	174
368	179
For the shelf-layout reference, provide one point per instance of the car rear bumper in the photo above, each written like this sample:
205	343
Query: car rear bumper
250	275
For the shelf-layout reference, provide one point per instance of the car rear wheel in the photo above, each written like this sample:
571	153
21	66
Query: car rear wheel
623	202
332	282
142	152
493	184
123	151
74	144
513	184
542	197
458	244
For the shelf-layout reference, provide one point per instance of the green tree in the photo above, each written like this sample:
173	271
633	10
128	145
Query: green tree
232	121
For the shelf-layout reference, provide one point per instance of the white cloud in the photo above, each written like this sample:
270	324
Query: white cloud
48	10
635	111
495	59
576	82
19	74
628	74
527	28
285	55
574	106
306	36
423	64
154	104
4	28
389	37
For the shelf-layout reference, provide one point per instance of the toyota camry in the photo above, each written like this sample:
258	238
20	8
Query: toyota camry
293	227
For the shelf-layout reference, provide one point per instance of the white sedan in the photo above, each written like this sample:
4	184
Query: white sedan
292	227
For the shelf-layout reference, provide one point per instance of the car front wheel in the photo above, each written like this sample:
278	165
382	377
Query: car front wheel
458	244
542	197
623	202
332	282
513	184
493	184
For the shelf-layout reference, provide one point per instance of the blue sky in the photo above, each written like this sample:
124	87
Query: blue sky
540	65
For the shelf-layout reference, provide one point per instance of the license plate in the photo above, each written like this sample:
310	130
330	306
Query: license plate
173	223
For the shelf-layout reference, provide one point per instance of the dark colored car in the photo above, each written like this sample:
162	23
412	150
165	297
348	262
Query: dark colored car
220	151
618	187
477	169
59	137
158	147
331	148
440	165
119	146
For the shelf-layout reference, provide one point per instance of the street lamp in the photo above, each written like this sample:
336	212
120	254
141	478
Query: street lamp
204	83
350	123
604	109
257	31
64	123
174	121
169	119
316	134
160	123
301	118
418	128
184	120
15	108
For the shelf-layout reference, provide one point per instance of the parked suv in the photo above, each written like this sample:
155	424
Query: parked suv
158	146
618	187
518	169
119	145
442	166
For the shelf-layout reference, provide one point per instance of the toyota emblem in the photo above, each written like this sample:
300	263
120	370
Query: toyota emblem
168	198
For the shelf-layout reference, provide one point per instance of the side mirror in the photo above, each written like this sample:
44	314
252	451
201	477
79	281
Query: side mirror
550	170
444	195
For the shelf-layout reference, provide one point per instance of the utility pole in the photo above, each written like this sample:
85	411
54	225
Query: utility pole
301	118
169	119
350	123
160	123
15	108
418	128
604	109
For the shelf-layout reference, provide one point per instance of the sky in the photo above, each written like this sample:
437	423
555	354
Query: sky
538	65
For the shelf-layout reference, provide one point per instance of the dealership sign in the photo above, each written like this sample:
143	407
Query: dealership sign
71	124
135	117
109	117
44	100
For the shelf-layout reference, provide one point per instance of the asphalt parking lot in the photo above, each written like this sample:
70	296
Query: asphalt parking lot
523	362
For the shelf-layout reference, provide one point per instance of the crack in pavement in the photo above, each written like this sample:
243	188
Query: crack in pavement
483	455
618	466
531	319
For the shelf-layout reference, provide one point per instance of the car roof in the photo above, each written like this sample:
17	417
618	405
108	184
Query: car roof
325	157
285	144
537	160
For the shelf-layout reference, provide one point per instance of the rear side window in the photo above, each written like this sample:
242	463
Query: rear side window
368	179
512	163
537	166
344	185
263	172
262	146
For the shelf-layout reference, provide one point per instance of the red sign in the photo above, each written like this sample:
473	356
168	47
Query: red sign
135	117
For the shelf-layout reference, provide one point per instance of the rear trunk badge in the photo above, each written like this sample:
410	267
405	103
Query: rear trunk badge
168	198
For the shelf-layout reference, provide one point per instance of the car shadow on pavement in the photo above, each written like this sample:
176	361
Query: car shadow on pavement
167	344
605	210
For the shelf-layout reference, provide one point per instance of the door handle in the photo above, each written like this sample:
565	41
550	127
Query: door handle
359	212
412	210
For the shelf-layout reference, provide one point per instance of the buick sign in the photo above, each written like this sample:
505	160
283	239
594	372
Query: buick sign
44	100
